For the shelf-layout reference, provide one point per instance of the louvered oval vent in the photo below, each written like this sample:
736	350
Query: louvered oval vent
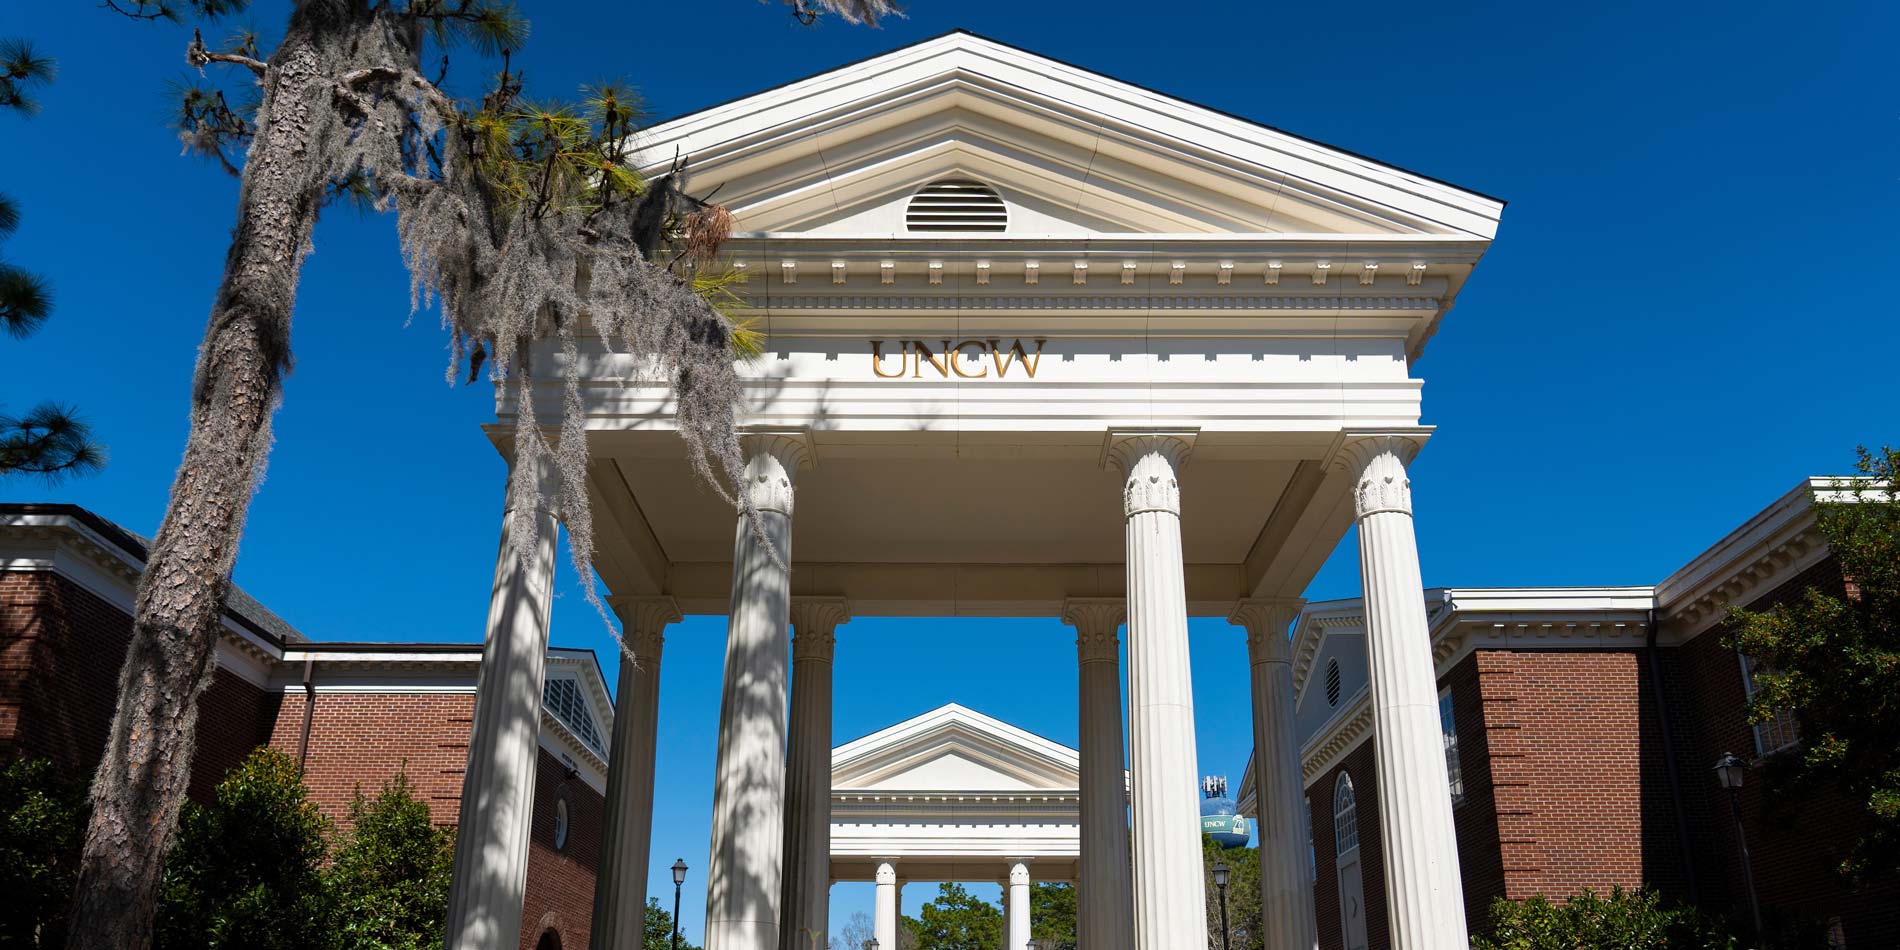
1332	682
956	204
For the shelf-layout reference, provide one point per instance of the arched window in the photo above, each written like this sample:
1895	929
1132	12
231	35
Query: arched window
550	940
956	204
1345	816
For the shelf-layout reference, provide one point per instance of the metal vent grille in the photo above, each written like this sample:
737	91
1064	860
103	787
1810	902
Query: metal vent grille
1332	682
956	204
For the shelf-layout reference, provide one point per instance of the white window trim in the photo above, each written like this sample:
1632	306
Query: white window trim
1448	729
1347	817
1784	721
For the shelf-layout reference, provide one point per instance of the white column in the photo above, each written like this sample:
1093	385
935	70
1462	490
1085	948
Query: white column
1105	918
885	924
1019	905
748	830
807	900
1286	890
1424	897
1170	901
620	889
490	872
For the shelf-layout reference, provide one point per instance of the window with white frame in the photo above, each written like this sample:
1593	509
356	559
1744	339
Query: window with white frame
1312	853
1345	816
1448	725
1778	733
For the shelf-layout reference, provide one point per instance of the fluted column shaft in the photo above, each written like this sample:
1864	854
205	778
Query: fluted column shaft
490	873
1170	903
807	900
620	888
884	924
1018	905
743	880
1424	896
1105	907
1286	890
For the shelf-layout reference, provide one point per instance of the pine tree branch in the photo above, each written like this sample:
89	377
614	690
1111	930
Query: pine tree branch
199	56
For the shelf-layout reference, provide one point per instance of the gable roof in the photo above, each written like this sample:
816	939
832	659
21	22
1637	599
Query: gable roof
1098	153
953	749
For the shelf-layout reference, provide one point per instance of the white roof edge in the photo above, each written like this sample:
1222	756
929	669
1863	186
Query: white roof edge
946	715
1786	514
965	51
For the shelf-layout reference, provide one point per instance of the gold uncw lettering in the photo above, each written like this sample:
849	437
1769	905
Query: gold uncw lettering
945	359
978	359
877	360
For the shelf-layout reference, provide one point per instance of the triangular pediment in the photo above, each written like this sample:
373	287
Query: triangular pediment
953	749
1069	151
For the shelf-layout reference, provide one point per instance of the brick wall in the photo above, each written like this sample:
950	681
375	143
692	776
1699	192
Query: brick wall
366	739
61	647
1359	764
1794	853
1480	851
561	879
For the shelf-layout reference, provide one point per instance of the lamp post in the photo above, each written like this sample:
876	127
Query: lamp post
1220	884
1729	770
679	877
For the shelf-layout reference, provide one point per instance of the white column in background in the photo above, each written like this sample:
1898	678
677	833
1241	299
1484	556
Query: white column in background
620	890
1424	897
1105	918
1170	900
490	873
743	875
885	925
1286	890
1019	905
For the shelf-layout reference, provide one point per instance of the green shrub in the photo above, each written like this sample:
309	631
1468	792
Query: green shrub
42	824
1623	921
245	872
389	884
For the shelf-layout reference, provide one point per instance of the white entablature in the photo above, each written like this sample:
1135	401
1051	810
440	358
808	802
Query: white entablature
951	795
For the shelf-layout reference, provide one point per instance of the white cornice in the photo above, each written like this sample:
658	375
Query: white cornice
992	82
1349	727
1767	550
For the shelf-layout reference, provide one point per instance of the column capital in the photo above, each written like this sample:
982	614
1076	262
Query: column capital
1018	870
1265	620
815	621
773	459
643	622
1095	620
1376	460
887	873
1150	462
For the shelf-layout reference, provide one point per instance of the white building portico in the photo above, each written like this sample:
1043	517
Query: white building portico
1039	343
954	795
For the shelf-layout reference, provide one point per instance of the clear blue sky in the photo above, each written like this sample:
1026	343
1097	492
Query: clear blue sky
1691	305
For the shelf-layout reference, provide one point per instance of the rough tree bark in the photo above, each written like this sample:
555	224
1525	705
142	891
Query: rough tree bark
142	780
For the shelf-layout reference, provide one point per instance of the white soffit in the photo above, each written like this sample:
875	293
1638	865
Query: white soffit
1071	151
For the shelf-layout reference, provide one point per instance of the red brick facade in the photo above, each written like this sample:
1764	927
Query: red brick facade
60	650
61	647
1566	786
364	739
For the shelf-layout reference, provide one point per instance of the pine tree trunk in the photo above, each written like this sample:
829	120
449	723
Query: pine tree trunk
177	618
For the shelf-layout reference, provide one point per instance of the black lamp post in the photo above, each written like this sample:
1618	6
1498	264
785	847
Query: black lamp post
679	877
1220	884
1729	770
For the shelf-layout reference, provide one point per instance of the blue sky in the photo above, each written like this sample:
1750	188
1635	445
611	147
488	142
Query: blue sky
1690	305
